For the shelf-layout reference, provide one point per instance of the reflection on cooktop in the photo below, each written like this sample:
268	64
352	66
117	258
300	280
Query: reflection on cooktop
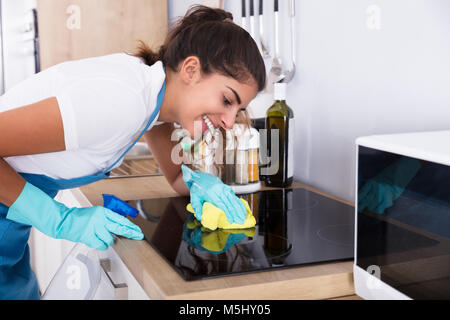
294	227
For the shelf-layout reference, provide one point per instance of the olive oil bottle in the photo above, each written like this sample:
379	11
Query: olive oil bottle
280	116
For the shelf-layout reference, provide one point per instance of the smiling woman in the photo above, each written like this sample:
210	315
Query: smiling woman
213	70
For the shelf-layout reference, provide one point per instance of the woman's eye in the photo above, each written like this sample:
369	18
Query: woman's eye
226	102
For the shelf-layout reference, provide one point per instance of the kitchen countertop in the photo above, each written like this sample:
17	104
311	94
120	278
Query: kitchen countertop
160	281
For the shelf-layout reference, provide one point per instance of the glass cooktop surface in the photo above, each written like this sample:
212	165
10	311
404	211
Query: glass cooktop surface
294	227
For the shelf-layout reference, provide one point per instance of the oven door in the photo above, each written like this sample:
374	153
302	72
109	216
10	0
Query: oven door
402	226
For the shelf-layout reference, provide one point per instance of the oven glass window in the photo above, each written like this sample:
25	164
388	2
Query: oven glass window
403	222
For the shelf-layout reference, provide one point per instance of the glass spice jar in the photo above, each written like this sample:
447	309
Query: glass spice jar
253	155
242	135
230	146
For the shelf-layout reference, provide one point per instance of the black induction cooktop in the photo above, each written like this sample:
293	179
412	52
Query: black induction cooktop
294	227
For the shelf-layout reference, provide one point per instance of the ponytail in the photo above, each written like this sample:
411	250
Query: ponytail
146	53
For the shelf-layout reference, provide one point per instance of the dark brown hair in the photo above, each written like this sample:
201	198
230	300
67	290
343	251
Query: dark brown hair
221	46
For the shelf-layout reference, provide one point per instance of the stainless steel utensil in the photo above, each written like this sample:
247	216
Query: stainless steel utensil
264	49
252	19
291	72
276	74
243	15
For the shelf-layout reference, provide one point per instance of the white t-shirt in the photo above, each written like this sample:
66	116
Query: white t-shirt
105	103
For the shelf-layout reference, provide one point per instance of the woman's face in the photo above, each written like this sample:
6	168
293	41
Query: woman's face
217	97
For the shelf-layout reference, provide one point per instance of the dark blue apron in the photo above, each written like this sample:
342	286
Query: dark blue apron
17	279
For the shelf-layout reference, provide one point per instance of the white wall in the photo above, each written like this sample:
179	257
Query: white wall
353	79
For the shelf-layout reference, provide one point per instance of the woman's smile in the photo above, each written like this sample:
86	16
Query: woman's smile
207	124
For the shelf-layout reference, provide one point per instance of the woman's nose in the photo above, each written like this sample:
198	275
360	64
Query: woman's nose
227	120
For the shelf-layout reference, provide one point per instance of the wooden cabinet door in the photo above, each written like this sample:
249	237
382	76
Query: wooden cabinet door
76	29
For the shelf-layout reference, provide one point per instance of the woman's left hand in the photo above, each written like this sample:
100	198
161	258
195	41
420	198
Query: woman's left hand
206	187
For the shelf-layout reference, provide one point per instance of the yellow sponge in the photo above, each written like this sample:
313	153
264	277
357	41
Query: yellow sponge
214	218
217	240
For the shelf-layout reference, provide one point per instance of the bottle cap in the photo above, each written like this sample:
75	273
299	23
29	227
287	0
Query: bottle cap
242	135
254	139
279	91
230	143
212	139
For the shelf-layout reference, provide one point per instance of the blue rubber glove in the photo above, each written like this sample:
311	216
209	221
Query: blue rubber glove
92	226
379	193
206	187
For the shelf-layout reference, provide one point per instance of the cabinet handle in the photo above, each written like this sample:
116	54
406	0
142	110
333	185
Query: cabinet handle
120	289
37	55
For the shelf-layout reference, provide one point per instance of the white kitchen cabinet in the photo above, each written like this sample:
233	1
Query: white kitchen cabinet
48	255
117	281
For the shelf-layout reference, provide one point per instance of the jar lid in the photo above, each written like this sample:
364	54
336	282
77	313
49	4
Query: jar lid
254	139
279	91
230	144
242	135
208	154
212	139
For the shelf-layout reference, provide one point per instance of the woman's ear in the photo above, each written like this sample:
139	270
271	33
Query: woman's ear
190	71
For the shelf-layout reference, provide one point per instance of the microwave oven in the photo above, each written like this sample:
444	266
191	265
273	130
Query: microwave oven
402	216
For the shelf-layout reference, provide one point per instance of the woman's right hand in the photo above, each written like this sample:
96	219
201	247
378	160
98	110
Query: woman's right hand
93	226
206	187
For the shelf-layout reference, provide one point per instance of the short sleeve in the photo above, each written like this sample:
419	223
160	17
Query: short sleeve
98	113
156	123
